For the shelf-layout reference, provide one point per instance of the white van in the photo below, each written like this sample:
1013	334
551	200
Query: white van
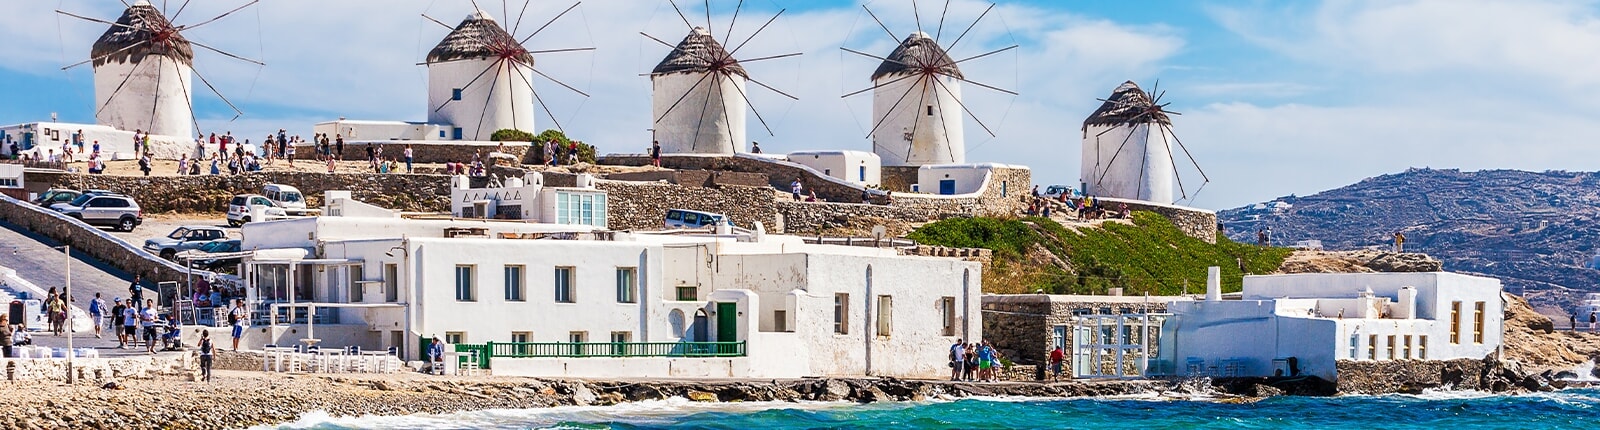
286	197
684	218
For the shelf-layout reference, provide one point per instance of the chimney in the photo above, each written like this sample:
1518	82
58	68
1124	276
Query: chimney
1213	284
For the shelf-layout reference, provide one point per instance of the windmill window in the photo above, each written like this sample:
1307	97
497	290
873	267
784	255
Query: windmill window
455	94
930	110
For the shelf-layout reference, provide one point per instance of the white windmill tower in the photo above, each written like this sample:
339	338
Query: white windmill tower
916	98
480	78
1127	149
699	92
144	70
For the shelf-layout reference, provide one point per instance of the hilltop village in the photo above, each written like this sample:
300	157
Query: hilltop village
470	246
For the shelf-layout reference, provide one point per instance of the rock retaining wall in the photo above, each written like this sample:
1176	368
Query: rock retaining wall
422	151
99	370
211	193
1414	376
644	205
1197	223
91	241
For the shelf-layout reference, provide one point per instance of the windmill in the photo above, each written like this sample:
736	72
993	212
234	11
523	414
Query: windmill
699	91
916	95
142	69
1127	148
462	91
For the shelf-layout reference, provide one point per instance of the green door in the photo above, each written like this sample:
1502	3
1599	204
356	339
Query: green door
727	322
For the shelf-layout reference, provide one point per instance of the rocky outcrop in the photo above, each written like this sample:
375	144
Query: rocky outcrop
1415	376
1362	261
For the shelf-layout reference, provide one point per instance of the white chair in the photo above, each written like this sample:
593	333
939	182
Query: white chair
23	353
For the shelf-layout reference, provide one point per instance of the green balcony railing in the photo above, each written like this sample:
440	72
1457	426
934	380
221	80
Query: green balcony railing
484	352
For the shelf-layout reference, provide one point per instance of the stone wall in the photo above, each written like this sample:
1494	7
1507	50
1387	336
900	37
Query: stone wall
1021	325
1414	376
421	151
898	178
211	193
1197	223
696	178
644	205
91	241
97	371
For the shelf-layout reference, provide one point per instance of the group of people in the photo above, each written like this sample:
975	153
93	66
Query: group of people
974	362
1084	208
554	152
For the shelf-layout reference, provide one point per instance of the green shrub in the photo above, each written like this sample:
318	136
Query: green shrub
586	152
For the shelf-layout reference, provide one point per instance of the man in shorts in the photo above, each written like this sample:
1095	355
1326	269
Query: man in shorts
147	317
958	360
97	310
236	318
116	322
130	324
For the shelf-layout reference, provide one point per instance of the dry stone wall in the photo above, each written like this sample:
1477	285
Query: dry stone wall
100	370
1197	223
91	241
211	193
422	151
644	205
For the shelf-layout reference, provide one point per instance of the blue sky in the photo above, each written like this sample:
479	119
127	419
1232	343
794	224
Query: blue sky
1278	97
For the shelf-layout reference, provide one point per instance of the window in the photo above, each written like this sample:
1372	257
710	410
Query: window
1477	322
522	337
841	313
577	338
780	320
357	293
1406	347
581	208
885	310
1355	345
688	293
455	337
1455	323
1391	347
947	313
1372	347
455	94
627	285
455	133
391	283
619	339
862	170
466	291
1058	336
930	110
564	285
1422	347
514	284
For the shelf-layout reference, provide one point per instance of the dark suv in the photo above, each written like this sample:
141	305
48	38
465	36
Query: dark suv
114	210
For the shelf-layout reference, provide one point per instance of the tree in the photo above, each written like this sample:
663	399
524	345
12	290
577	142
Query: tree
510	135
586	152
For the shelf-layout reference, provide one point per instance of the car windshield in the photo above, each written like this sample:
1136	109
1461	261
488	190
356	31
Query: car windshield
217	247
180	233
81	200
289	197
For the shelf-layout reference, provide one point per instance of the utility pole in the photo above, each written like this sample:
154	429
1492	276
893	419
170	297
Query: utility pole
66	250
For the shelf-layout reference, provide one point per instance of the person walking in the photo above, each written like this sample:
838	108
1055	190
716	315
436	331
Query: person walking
958	360
1591	321
136	291
57	310
97	310
5	336
130	323
408	155
116	322
1056	357
147	318
206	350
236	318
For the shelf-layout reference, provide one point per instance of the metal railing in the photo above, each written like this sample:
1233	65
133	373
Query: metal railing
608	349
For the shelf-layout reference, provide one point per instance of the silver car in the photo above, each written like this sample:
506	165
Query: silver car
114	210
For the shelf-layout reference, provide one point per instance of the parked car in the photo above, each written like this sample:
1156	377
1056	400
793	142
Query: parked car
239	208
286	197
215	255
684	218
1055	191
114	210
62	195
183	239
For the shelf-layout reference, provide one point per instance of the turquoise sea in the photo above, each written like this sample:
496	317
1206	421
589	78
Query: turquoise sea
1572	409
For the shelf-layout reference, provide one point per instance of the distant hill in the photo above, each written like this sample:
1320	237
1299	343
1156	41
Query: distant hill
1536	231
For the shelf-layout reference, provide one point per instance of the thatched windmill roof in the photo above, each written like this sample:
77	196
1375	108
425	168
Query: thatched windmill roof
144	17
916	52
696	54
478	36
1126	103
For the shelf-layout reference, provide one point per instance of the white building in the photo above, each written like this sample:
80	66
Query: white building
562	300
40	140
959	179
697	101
1315	320
856	167
527	198
143	79
361	130
1127	149
480	80
11	181
909	133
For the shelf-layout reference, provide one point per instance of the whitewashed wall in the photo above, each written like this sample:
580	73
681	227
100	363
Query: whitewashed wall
494	102
844	165
710	120
1118	165
156	99
937	139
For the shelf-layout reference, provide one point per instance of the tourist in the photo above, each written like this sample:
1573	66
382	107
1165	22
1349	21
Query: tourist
866	198
755	147
338	140
1056	357
200	146
1123	212
888	198
5	336
136	291
222	145
144	164
436	352
147	318
812	197
283	143
183	165
236	318
130	322
985	362
1399	242
372	157
331	165
1261	237
408	154
116	316
958	360
194	167
97	310
289	156
216	165
1035	191
1591	321
572	152
205	355
57	314
794	189
1572	322
655	153
972	362
136	139
96	148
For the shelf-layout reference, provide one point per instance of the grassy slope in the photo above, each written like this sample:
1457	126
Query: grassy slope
1153	256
